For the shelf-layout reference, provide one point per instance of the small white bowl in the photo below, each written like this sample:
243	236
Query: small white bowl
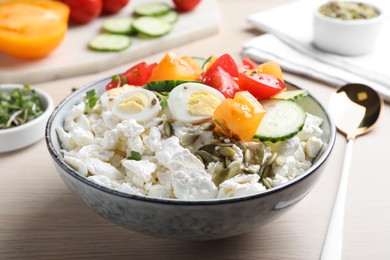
346	37
26	134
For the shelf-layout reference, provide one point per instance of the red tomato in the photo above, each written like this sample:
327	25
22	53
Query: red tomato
84	11
113	6
222	81
137	75
249	63
261	85
225	62
186	5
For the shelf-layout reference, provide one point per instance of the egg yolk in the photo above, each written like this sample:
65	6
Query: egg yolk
134	103
202	103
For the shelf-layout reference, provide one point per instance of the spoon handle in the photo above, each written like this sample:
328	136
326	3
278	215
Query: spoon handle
332	249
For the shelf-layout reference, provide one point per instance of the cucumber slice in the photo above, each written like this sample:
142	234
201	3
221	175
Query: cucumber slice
152	9
199	60
164	85
151	26
109	42
170	17
292	94
118	25
207	62
283	120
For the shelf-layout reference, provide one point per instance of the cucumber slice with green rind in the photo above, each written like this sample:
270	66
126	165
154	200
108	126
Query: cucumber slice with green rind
199	60
109	42
118	25
151	26
283	120
165	85
294	95
170	17
152	9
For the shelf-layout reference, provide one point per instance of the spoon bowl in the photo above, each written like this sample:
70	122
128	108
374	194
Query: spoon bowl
356	109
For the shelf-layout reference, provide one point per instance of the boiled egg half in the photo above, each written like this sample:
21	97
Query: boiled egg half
139	104
193	102
109	97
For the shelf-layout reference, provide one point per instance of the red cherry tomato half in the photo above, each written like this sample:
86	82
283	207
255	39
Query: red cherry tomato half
225	62
137	75
186	5
222	81
249	63
261	85
84	11
113	6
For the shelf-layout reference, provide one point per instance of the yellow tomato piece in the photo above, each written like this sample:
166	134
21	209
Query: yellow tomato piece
173	67
271	68
32	28
241	115
193	64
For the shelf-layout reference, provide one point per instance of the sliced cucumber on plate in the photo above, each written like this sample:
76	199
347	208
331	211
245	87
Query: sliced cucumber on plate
152	9
118	25
151	26
283	120
170	17
109	42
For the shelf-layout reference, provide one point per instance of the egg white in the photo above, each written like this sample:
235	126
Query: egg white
109	97
149	112
178	100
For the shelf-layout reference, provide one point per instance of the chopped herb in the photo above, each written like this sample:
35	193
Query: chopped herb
164	102
135	156
18	106
91	98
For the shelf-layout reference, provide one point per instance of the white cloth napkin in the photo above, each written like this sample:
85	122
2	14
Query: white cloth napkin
289	42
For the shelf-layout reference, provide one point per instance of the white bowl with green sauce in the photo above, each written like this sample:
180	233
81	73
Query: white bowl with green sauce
24	113
347	28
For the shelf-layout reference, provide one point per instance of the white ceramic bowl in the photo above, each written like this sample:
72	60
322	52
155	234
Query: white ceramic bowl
179	219
26	134
346	37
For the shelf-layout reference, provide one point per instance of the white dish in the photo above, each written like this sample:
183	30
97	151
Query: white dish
26	134
346	37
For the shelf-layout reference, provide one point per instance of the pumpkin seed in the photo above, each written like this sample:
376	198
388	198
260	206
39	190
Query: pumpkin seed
188	139
208	126
220	174
200	158
226	152
247	157
266	183
266	170
234	168
227	161
250	171
272	158
208	148
216	158
258	153
206	157
168	129
242	146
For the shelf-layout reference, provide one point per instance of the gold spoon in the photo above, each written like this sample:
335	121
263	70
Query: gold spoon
356	109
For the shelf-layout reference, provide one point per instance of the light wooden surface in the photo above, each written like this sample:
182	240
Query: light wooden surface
41	219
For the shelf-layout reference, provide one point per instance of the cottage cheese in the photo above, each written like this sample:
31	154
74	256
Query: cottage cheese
97	144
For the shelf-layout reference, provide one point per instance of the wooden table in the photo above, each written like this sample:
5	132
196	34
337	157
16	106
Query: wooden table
41	219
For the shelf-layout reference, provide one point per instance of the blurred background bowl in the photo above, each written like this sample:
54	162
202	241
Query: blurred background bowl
191	220
346	37
28	133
